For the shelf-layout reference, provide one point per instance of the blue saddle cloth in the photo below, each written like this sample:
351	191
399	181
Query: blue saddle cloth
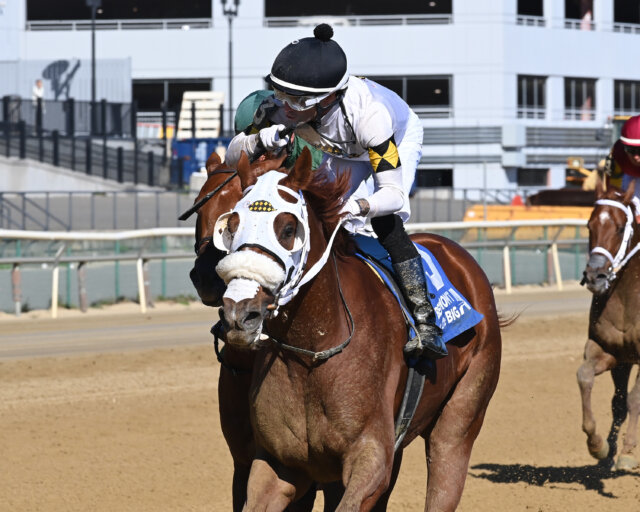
454	314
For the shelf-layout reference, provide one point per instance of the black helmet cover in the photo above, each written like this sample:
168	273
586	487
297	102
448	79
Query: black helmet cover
310	66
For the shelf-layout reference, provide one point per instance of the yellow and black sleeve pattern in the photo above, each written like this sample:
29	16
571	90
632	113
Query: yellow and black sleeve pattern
384	157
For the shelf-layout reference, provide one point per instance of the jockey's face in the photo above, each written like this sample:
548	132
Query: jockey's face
299	116
306	115
633	154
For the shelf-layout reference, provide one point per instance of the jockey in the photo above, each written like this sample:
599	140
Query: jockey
260	110
623	162
362	128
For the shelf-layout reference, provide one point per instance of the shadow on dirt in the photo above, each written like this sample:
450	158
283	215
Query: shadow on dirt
590	477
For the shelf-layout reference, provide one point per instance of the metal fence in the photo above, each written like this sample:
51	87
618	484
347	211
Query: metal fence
71	117
144	209
93	157
105	267
110	210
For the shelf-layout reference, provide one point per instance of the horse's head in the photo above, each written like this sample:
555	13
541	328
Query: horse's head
218	195
611	228
268	239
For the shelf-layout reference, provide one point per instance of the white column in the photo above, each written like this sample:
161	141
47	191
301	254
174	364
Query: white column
555	98
604	99
553	11
603	14
557	176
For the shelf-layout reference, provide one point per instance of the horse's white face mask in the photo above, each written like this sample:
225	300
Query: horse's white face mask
257	211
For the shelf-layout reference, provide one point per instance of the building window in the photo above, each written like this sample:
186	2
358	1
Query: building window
625	11
626	97
532	177
431	178
579	14
530	13
46	10
150	94
531	96
428	96
278	8
626	17
579	99
530	7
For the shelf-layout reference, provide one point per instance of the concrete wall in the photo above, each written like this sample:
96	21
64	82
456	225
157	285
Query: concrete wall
32	176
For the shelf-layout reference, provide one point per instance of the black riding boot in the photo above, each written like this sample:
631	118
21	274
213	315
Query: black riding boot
413	284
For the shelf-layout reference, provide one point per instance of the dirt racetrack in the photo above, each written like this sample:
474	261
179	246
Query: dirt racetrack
138	431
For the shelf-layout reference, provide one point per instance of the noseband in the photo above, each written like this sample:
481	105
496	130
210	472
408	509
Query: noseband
624	254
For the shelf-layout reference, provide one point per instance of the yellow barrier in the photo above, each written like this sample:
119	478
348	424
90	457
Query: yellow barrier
519	212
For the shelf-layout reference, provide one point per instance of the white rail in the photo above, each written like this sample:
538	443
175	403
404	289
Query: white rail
140	257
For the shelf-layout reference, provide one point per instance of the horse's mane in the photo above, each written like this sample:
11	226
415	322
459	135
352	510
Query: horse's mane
614	193
326	198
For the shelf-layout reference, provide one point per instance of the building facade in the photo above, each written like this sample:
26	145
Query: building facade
507	90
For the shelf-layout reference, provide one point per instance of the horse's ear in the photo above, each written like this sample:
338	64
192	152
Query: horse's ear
213	162
599	188
269	165
246	174
301	175
628	195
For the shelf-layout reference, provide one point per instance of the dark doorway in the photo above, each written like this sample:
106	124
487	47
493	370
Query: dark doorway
151	93
530	8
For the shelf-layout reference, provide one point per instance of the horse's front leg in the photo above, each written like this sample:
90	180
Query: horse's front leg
627	460
366	474
596	361
272	487
620	375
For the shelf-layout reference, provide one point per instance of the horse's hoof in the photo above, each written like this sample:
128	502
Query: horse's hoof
626	463
602	453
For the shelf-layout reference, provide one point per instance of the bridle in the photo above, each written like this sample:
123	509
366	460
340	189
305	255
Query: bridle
199	204
624	253
296	274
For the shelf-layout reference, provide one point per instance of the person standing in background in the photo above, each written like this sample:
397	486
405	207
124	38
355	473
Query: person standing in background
38	91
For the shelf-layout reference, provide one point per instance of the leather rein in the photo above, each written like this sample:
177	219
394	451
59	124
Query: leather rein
196	206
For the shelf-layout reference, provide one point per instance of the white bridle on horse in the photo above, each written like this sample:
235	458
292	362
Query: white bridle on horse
622	256
257	211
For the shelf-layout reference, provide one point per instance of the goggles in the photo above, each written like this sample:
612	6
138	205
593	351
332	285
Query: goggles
299	103
632	150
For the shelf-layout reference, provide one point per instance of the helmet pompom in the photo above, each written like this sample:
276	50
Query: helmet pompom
324	32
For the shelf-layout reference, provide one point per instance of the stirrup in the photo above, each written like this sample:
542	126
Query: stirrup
416	346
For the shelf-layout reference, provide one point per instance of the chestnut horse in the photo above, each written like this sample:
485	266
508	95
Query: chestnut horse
611	275
218	195
329	372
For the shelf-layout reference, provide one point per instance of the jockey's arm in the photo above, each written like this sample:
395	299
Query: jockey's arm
377	136
389	194
267	139
241	142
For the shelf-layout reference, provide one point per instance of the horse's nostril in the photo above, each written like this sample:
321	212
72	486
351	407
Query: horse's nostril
601	276
251	317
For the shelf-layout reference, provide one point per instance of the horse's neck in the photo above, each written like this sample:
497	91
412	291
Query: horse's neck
318	308
619	308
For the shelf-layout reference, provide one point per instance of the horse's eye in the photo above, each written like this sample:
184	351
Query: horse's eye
288	232
621	230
